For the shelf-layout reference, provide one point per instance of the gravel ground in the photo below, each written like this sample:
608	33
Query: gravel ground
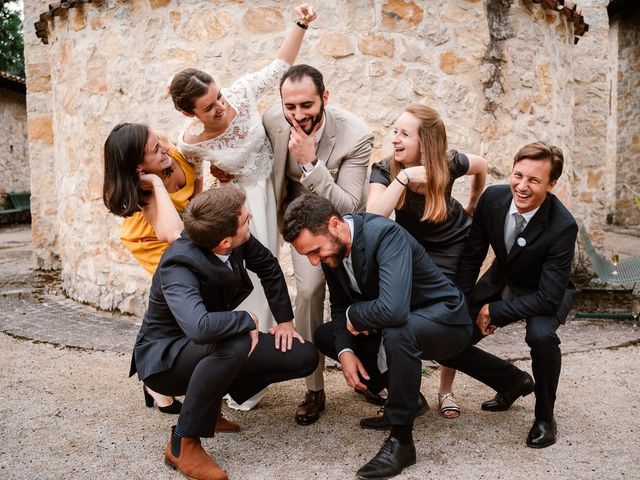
70	413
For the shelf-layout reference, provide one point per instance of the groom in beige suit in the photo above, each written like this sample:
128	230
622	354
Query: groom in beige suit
323	151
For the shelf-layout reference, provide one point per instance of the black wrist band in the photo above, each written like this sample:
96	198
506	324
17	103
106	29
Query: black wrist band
400	181
302	25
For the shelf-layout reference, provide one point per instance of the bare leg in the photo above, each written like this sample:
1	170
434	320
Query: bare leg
161	400
447	375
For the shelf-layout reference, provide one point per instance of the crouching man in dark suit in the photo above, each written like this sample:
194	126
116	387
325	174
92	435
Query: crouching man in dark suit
533	237
193	342
383	286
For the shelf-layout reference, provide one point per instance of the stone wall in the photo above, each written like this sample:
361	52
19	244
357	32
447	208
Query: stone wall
42	160
628	121
14	158
500	73
594	155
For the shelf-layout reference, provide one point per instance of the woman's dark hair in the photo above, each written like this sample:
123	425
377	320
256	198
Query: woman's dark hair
123	152
187	86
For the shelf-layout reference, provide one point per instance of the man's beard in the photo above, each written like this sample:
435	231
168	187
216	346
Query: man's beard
334	260
314	121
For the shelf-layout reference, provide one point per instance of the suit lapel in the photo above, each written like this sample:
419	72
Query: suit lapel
280	149
357	252
500	219
328	138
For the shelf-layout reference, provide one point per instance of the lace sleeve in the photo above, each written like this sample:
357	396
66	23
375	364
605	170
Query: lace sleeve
267	77
195	160
191	153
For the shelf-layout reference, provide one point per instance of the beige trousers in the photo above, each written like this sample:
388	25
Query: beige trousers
309	307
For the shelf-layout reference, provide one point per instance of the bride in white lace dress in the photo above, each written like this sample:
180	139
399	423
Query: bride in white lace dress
226	129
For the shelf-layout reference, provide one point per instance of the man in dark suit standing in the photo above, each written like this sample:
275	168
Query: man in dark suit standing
382	286
193	342
533	237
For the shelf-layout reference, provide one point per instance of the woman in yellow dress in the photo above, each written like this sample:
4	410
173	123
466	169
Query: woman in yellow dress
148	182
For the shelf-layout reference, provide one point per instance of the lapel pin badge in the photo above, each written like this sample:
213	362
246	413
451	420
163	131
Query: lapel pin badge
521	242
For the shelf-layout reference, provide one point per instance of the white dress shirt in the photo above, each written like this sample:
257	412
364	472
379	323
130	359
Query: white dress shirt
510	221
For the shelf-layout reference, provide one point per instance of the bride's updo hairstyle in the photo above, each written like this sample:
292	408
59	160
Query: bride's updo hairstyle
187	86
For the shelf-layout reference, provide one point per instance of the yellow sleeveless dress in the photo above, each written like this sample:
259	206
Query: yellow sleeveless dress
138	235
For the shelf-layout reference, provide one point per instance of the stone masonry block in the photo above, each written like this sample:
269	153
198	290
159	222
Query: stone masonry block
401	15
376	45
336	45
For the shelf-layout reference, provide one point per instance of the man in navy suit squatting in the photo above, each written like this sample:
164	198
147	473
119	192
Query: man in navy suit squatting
383	286
533	236
193	341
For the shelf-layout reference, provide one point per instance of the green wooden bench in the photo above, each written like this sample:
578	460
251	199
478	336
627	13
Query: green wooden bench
20	202
625	271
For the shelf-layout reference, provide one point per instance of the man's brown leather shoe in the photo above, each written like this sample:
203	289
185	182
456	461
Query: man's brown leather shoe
308	411
187	455
226	426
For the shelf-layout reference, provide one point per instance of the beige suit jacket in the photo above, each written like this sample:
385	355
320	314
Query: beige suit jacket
345	148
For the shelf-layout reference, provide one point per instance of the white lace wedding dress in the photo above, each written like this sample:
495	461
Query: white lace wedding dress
244	151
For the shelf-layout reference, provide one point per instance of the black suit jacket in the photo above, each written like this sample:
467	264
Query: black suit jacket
395	277
192	298
538	272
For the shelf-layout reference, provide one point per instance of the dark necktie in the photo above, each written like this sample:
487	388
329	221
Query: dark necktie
233	261
515	232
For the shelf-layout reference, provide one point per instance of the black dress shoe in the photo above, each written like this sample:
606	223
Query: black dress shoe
542	434
371	397
389	461
502	401
308	411
378	423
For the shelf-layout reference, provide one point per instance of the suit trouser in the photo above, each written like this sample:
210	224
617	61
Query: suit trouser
309	307
366	348
205	373
499	374
405	346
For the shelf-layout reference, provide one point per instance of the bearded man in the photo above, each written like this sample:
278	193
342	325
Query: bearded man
324	151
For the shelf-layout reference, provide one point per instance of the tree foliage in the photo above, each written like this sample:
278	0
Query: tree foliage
11	40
